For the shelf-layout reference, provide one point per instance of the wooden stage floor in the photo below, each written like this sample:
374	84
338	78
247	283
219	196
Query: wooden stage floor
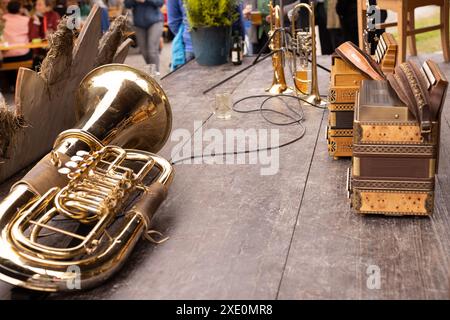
236	234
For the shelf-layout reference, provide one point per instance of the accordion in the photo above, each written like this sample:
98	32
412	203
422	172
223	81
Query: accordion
396	141
350	66
345	82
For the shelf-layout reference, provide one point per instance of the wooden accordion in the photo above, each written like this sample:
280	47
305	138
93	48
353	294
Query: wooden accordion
396	142
345	83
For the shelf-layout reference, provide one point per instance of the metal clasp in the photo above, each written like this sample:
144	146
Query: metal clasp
426	127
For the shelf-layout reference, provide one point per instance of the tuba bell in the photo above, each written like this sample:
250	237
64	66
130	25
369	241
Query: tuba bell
303	49
276	45
72	221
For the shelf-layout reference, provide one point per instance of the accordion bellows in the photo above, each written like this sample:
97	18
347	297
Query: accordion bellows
346	78
396	142
345	82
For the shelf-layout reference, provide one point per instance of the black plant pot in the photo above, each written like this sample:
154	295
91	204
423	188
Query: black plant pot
211	45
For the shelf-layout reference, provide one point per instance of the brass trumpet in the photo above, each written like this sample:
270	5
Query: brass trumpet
303	48
276	45
70	218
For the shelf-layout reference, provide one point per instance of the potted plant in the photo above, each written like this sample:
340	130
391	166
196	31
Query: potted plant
210	22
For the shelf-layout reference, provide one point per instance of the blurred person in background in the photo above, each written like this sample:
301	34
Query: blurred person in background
45	20
334	25
246	14
85	8
16	32
43	23
3	4
348	16
182	51
148	23
238	27
84	5
104	11
257	34
320	13
61	7
27	6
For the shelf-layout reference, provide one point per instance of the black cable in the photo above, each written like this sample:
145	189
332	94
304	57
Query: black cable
239	72
258	60
262	110
177	69
254	63
298	121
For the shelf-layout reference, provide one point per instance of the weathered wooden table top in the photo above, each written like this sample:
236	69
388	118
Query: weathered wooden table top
237	234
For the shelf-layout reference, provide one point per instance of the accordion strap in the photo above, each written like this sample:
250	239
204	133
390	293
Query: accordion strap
409	85
354	56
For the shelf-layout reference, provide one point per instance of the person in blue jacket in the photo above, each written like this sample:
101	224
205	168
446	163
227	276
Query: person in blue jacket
104	14
149	23
182	50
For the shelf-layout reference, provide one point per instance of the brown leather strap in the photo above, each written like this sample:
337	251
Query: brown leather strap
400	84
420	95
360	60
438	90
427	115
395	81
410	86
150	201
45	175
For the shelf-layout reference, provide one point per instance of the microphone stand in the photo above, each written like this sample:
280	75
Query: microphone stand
258	57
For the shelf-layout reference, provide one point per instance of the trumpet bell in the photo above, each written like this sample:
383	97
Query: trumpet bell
303	47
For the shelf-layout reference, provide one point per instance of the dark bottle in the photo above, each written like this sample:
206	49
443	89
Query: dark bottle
237	51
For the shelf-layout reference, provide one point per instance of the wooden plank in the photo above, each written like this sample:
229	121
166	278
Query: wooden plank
184	89
228	225
87	42
187	103
237	234
333	248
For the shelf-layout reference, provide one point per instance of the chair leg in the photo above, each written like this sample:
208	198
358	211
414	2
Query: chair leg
412	38
402	27
445	30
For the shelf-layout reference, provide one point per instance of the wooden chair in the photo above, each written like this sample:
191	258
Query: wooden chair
405	23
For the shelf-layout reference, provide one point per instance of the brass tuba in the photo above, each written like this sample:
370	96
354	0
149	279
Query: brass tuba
303	47
276	45
72	221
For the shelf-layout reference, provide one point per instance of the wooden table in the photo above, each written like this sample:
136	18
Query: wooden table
235	234
31	45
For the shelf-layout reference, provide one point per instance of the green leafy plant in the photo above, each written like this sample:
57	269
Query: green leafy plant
211	13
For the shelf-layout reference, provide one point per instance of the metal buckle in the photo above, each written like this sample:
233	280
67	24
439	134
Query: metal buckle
426	127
